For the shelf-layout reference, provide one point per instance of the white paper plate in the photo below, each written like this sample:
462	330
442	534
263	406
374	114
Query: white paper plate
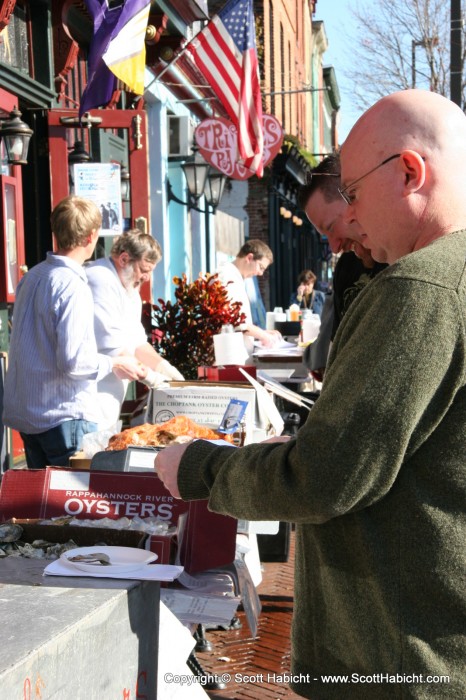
122	559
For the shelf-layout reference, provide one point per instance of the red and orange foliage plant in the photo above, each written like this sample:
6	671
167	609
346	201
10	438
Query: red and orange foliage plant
183	331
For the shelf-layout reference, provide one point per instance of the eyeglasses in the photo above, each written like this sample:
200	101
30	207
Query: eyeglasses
145	267
349	197
262	268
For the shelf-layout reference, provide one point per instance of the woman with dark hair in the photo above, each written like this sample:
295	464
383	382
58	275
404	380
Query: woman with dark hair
306	297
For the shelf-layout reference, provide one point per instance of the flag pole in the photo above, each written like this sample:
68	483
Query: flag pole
169	65
176	58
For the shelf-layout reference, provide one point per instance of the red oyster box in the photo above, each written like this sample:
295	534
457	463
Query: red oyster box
48	493
229	373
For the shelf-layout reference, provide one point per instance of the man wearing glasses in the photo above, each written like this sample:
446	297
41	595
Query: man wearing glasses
252	260
320	199
375	479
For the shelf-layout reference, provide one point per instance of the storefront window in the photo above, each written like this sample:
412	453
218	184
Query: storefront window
14	41
12	270
12	237
4	167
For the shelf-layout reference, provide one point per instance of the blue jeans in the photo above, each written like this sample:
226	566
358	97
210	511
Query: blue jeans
54	447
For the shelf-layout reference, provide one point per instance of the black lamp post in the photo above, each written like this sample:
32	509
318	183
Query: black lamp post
16	135
77	155
456	52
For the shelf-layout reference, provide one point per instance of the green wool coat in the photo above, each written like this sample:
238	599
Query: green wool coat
375	482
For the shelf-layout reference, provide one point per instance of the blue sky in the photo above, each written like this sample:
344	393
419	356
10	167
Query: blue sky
339	27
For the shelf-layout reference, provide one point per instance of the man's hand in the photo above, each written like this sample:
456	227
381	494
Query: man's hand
128	367
166	466
270	338
154	380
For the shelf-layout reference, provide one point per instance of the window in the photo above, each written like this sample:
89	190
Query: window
14	41
11	223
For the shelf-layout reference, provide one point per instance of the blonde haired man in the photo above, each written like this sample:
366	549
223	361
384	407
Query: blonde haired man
51	383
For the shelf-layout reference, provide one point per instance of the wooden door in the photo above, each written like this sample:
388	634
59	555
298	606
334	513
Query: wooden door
63	123
12	258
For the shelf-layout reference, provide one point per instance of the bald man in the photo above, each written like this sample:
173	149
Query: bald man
375	479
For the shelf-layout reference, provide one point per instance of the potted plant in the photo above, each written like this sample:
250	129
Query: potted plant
183	331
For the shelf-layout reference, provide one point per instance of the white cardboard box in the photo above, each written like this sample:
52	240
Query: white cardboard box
204	403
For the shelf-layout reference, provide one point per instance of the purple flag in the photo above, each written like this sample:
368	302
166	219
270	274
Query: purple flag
110	19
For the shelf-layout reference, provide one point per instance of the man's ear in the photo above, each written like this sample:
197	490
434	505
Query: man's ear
415	170
123	259
93	236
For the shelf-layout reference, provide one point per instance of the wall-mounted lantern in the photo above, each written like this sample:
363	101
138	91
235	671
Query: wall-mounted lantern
78	154
214	186
201	179
195	172
15	135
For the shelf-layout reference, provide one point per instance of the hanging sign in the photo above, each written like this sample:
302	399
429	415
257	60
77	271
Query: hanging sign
101	183
217	139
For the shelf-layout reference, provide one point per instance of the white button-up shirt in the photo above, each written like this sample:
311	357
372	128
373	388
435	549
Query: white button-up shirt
118	329
231	277
53	365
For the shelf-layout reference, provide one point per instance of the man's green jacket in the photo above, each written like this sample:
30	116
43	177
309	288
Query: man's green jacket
376	484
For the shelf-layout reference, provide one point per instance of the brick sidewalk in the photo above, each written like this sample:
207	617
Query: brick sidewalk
264	658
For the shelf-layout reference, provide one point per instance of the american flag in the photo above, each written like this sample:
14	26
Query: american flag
117	50
225	53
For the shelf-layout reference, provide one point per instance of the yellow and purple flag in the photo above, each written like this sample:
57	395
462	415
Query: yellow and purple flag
117	50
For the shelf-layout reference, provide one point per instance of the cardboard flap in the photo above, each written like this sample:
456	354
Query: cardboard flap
266	405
